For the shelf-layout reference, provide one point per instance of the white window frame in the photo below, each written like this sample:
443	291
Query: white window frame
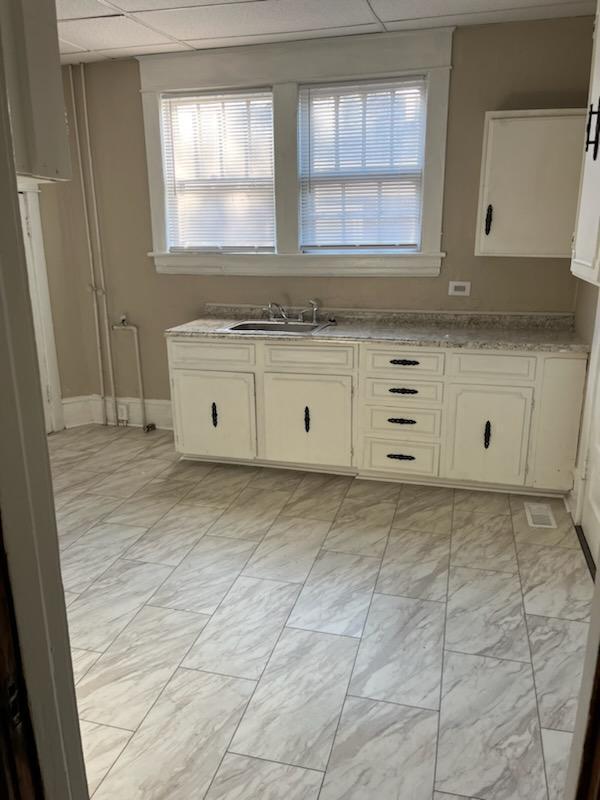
284	66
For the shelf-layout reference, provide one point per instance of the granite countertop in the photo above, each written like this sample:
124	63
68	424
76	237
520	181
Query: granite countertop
545	333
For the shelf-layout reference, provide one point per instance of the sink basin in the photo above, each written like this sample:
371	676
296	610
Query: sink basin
277	326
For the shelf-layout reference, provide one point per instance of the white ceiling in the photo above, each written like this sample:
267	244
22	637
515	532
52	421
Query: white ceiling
91	30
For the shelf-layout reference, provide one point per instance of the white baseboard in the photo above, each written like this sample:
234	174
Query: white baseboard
87	409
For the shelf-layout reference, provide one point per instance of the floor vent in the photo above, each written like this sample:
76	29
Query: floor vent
539	515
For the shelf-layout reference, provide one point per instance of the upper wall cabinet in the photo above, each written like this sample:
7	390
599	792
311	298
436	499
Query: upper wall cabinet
586	245
529	182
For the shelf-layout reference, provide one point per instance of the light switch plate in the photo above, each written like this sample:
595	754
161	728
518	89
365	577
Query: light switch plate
462	288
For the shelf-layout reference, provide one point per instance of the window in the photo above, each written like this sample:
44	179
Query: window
361	151
218	171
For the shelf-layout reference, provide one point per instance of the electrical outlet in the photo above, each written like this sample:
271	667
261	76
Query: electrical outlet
459	288
123	412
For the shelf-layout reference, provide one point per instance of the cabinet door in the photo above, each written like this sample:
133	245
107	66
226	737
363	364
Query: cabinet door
488	433
530	179
586	246
308	419
214	413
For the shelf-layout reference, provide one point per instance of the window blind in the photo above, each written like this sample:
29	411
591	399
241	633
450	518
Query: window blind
218	171
361	151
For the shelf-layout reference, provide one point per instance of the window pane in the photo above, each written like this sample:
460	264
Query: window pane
361	164
218	170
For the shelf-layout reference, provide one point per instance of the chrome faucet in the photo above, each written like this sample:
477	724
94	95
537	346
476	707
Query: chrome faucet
314	307
274	310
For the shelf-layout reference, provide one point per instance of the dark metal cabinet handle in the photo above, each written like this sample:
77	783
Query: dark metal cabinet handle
489	215
404	362
595	140
401	457
487	434
402	421
215	416
402	390
307	419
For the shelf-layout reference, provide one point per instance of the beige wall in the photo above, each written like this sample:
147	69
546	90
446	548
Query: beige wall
541	64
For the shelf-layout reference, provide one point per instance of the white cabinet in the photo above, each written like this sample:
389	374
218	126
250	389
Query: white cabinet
488	433
585	262
308	418
214	413
529	183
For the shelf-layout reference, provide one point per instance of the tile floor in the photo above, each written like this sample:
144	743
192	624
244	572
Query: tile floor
274	635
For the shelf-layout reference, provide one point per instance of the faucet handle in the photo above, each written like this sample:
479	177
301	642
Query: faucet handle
315	310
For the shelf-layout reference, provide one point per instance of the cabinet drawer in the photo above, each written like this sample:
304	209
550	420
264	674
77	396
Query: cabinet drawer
496	367
403	457
402	421
392	361
312	356
210	355
403	391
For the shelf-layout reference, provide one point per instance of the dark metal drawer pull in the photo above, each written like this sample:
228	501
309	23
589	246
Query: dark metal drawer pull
307	419
396	390
402	421
489	216
215	416
487	434
401	457
404	362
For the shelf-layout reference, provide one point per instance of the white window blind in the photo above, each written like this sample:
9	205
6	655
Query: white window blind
218	171
361	152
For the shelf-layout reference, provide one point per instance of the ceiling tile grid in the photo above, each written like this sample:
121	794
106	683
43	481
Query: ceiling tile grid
99	29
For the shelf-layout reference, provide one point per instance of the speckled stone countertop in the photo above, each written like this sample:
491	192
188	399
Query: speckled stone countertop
533	332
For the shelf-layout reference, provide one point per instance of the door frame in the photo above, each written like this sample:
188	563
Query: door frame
40	302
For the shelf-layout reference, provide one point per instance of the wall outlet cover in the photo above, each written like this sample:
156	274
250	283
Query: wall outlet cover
459	288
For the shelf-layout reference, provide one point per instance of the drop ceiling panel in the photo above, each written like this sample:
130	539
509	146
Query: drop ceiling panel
108	32
206	44
154	5
78	9
258	17
388	10
67	47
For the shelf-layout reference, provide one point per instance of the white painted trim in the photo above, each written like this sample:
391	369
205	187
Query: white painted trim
87	409
283	67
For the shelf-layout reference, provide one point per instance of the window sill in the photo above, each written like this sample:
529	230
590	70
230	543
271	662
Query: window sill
299	264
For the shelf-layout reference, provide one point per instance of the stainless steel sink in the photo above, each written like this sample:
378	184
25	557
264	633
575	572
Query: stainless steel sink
277	326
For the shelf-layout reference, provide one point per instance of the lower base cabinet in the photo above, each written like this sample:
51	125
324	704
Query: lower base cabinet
214	413
308	418
488	433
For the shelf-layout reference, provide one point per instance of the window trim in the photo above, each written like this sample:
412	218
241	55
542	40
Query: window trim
283	67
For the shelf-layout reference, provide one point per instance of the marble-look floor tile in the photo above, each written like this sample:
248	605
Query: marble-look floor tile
250	515
336	595
318	496
242	778
556	582
78	515
172	537
557	749
482	541
400	655
485	614
70	598
128	478
371	492
558	651
361	527
82	661
243	631
102	746
425	509
415	565
123	684
102	611
221	486
382	751
444	796
164	486
91	555
142	510
289	549
562	536
294	712
272	479
489	743
191	472
178	748
205	575
492	503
